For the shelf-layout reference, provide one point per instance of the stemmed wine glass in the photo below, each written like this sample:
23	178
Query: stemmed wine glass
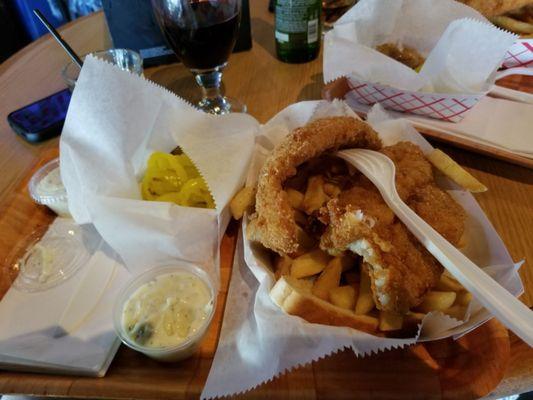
202	33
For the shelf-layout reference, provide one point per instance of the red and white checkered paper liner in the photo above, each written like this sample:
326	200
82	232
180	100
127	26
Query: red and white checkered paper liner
519	55
447	107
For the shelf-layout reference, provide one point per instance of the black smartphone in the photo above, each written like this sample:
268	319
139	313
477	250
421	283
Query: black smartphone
43	119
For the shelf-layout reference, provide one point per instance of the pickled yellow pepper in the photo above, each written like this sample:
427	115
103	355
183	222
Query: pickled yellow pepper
175	179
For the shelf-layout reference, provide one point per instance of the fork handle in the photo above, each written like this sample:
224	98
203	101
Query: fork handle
514	314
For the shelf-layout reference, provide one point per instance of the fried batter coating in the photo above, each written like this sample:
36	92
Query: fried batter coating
274	225
405	54
438	209
401	269
413	170
491	8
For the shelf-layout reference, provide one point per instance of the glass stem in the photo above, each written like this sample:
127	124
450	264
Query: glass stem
212	99
210	83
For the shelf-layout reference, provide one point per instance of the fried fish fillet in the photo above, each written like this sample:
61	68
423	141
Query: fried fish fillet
491	8
401	269
274	225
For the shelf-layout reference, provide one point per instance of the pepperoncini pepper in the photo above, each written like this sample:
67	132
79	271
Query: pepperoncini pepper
175	179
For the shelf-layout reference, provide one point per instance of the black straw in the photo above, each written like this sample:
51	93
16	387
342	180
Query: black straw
58	38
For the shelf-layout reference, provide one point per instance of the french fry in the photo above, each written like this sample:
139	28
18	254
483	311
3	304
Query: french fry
328	279
437	301
283	266
309	264
415	316
463	299
457	312
314	195
389	321
242	201
331	189
448	284
512	24
343	296
365	300
295	198
455	172
346	261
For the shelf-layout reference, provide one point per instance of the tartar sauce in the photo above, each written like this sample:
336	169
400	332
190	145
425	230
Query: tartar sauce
167	310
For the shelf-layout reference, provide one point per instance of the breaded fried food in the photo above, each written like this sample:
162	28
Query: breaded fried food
413	170
402	271
491	8
404	54
439	210
274	224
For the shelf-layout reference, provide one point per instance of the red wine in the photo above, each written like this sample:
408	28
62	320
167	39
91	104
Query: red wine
206	43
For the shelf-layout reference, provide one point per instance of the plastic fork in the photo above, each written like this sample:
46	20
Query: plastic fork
503	305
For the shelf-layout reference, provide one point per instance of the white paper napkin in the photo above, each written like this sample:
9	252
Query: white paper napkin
31	337
259	341
499	123
115	121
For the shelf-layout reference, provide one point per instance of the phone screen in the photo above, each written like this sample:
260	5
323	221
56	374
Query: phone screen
42	119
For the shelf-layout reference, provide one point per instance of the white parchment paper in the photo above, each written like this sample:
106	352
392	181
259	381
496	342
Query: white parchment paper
462	49
259	341
115	121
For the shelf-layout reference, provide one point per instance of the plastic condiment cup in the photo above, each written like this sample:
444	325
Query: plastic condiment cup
170	353
125	59
54	197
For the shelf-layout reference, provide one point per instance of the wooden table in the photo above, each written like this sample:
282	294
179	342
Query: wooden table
266	86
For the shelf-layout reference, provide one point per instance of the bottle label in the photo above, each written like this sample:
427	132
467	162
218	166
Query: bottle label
297	21
312	31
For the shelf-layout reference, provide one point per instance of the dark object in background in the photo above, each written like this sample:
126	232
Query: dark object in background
334	9
297	30
12	37
43	119
132	26
54	11
78	8
271	5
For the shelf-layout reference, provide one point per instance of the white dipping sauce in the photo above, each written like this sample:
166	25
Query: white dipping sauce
51	192
167	310
50	183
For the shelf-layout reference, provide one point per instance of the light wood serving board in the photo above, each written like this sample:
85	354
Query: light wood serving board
465	369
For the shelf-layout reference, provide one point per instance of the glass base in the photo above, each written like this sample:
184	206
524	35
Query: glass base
221	105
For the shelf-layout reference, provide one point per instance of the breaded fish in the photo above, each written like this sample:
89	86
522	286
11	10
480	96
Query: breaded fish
273	224
491	8
401	269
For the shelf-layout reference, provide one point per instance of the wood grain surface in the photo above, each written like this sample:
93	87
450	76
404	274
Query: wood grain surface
267	86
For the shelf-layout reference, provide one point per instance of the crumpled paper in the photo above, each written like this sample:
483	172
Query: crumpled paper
259	341
462	49
115	121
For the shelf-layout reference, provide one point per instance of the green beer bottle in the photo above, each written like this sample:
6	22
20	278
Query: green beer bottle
297	30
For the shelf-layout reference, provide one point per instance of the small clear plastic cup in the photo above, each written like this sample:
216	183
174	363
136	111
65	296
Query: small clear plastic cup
46	188
169	353
127	60
48	256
